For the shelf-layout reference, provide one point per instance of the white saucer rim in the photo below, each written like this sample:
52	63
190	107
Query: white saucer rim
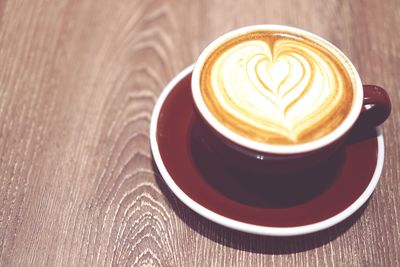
242	226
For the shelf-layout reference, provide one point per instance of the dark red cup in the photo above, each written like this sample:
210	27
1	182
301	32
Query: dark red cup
371	107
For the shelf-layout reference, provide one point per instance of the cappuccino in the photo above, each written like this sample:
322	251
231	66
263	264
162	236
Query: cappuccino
277	87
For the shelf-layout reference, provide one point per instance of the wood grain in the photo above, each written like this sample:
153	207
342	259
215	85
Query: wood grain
78	82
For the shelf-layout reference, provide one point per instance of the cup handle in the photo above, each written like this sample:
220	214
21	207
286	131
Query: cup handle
376	107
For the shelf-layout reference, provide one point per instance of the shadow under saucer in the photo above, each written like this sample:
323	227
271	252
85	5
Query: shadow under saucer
250	242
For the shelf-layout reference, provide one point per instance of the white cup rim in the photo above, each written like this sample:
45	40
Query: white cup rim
336	134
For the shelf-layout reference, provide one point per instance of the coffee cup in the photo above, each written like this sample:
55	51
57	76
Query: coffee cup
274	99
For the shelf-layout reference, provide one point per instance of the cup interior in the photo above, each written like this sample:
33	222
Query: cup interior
257	146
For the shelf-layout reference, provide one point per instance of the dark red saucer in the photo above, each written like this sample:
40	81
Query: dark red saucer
303	203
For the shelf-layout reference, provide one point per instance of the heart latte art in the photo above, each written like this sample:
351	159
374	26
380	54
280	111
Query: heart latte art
276	88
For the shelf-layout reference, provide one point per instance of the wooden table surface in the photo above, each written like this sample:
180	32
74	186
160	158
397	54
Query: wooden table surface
78	82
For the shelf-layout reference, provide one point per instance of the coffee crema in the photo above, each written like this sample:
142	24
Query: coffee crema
277	88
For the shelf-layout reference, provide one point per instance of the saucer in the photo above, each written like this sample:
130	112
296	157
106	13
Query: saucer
315	201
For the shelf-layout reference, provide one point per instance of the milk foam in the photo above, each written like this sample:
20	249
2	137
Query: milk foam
278	90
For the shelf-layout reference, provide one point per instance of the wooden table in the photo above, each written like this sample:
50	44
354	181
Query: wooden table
78	82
